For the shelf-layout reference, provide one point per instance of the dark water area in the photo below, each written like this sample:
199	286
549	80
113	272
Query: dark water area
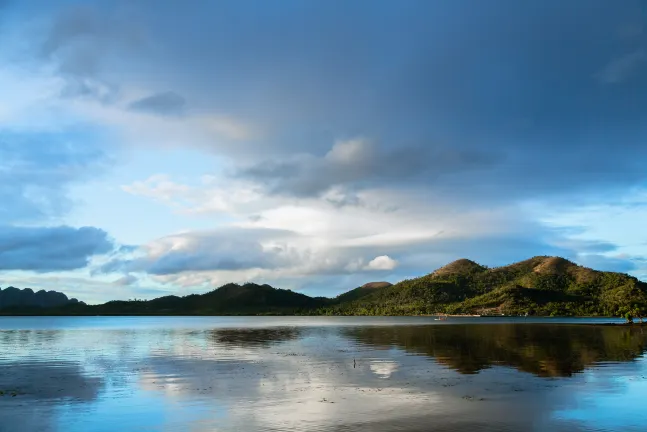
320	374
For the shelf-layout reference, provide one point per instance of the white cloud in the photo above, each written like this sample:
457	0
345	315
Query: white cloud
324	238
291	242
382	262
213	195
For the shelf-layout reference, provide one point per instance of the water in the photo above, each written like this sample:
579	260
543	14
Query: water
320	374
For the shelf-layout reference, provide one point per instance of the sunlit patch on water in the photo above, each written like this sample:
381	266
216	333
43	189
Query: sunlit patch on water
383	368
319	374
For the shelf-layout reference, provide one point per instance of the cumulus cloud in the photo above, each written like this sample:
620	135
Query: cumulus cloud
237	254
44	249
232	249
423	230
314	245
382	262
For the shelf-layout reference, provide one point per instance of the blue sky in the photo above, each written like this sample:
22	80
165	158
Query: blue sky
158	147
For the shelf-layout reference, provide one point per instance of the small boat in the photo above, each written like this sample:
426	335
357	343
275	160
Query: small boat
441	318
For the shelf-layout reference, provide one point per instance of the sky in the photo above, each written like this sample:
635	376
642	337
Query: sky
151	148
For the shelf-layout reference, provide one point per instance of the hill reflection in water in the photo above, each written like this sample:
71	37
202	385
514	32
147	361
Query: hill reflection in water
543	350
326	374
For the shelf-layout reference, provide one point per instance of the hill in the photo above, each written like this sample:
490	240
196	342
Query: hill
360	292
12	297
459	267
230	299
538	286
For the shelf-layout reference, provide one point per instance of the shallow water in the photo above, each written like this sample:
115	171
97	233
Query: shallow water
320	374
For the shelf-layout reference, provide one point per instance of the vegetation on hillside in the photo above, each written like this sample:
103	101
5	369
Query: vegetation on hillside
545	286
539	286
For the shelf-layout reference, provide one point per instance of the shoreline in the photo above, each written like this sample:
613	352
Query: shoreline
519	317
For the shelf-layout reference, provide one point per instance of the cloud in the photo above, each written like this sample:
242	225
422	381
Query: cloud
165	104
352	152
37	168
499	98
313	245
359	163
230	249
362	143
212	195
193	259
382	262
332	247
80	41
44	249
126	280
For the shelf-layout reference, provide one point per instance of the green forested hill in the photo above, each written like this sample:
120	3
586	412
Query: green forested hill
360	292
537	286
230	299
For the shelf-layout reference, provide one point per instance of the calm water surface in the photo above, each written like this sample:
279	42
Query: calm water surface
320	374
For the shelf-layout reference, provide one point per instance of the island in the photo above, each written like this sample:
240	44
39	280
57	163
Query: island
539	286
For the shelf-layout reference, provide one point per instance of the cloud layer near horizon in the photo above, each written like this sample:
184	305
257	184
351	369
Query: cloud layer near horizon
318	147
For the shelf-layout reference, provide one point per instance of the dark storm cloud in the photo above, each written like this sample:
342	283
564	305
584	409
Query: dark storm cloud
81	40
479	101
166	103
45	249
358	163
527	83
552	90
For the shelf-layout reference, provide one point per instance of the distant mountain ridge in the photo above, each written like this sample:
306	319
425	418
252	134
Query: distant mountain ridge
540	285
15	297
